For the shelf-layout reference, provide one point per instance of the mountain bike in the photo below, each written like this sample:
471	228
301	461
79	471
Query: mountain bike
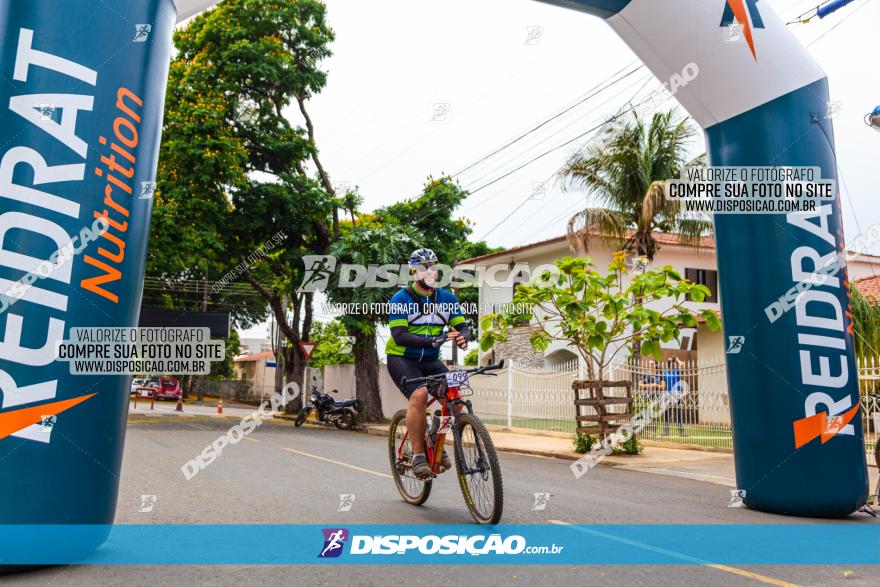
476	462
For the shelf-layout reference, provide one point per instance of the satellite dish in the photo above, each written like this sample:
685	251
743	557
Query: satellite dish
873	119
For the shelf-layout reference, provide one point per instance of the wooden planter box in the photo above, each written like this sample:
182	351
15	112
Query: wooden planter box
601	407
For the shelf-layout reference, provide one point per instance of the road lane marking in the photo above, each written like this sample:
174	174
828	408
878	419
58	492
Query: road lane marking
340	463
197	427
755	576
678	555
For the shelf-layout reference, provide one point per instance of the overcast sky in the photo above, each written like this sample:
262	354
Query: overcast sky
487	70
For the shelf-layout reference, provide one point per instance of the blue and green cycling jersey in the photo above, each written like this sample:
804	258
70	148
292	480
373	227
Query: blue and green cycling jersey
425	318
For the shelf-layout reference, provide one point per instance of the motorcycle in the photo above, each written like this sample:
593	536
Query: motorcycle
341	414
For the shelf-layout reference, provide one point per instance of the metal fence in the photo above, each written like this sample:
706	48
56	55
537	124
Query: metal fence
542	399
701	414
869	387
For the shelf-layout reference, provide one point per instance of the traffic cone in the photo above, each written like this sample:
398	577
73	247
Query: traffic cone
220	408
179	407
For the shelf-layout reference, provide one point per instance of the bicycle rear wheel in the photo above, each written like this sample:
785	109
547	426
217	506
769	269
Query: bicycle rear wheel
479	473
413	490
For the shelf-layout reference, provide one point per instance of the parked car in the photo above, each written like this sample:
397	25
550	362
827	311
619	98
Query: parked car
168	388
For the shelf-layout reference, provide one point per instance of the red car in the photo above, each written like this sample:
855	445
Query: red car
166	388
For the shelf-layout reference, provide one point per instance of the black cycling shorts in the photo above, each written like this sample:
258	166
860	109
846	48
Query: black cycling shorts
400	367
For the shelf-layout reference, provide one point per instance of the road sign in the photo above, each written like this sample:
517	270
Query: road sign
307	348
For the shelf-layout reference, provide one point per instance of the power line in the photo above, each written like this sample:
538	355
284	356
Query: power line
568	142
593	92
553	136
842	20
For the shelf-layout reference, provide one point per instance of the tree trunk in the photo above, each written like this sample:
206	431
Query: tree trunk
185	385
294	371
199	382
366	373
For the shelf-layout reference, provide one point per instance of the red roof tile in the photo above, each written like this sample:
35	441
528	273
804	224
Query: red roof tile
869	287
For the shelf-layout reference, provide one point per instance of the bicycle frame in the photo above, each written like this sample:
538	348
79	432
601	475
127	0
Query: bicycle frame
435	454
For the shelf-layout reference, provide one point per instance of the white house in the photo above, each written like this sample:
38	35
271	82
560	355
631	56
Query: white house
697	263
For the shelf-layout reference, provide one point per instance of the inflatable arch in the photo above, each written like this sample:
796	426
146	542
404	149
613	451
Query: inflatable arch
81	110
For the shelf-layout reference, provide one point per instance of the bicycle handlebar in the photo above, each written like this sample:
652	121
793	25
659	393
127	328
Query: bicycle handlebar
442	376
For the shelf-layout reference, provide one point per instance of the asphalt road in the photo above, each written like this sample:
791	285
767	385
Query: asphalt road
294	476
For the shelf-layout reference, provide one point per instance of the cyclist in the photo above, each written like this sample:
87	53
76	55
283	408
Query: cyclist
418	315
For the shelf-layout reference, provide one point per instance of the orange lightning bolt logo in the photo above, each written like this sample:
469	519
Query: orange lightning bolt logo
17	420
821	426
740	12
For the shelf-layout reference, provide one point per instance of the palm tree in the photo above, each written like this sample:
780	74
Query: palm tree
625	170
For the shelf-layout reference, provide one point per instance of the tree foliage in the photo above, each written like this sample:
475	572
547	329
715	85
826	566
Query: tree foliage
240	160
866	323
334	347
625	169
601	315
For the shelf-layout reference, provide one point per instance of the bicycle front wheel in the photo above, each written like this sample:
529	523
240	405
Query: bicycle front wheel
302	416
479	473
412	489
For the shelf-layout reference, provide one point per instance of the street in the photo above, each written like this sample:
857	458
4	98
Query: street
283	475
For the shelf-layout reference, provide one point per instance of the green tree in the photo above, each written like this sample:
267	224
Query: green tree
432	215
601	315
333	343
242	164
866	323
368	243
625	170
472	358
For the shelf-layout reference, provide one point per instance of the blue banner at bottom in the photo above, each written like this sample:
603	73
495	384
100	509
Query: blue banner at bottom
662	544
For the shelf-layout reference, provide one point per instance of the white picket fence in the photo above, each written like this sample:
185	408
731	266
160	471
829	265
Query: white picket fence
523	397
542	399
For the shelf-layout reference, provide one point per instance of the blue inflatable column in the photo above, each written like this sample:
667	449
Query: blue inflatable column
762	100
81	102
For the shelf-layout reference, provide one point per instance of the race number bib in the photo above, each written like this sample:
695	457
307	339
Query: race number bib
456	378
